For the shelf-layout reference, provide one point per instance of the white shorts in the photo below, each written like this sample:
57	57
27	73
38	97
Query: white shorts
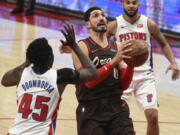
143	88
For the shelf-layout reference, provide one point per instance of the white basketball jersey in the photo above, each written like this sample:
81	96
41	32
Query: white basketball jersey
138	30
38	102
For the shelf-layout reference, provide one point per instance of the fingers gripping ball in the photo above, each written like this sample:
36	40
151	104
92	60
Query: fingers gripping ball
139	53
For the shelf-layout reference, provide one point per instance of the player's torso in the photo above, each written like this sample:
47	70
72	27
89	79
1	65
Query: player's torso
38	101
136	31
100	56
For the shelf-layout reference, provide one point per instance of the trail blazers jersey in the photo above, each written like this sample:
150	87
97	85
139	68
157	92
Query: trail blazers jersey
38	101
108	87
136	31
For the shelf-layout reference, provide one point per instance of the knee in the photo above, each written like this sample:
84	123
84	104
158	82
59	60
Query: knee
152	116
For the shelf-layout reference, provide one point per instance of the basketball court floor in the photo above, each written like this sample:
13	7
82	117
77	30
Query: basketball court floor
17	31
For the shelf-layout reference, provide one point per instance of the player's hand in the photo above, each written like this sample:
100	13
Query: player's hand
64	49
69	36
175	71
124	47
120	55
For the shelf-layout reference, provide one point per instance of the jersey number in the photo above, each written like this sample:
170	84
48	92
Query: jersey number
25	105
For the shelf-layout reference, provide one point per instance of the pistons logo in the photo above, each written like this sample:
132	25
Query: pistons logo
139	25
149	97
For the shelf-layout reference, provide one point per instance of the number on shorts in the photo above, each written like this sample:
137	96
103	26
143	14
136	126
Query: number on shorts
115	73
25	107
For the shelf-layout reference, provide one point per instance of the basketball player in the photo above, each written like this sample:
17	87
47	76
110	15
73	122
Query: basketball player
100	110
132	25
39	88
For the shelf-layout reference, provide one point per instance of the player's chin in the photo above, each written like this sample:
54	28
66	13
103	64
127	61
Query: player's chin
102	29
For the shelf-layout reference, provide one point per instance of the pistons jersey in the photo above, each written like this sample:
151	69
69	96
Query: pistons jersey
38	102
136	31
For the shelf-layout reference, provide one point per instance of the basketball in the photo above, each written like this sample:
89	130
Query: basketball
139	53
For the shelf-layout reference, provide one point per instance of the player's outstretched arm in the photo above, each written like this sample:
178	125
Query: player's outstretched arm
12	77
89	71
159	37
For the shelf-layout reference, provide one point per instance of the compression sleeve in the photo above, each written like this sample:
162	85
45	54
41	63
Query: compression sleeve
125	77
67	75
103	73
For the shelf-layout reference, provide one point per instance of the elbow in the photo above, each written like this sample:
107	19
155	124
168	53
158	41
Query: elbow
4	83
7	83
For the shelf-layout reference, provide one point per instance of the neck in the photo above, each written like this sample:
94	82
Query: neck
100	38
38	70
131	19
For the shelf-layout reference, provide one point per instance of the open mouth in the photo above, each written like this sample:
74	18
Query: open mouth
101	24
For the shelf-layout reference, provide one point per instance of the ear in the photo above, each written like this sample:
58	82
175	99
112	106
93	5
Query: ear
87	24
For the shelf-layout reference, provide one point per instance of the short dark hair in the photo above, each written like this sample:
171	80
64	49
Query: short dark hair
124	0
39	53
88	12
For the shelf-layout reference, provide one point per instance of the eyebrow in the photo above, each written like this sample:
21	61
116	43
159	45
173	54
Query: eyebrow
97	12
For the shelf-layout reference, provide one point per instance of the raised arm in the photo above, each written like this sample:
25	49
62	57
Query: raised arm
159	37
12	77
89	71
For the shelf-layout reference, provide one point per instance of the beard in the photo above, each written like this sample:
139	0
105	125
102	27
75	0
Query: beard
103	30
130	15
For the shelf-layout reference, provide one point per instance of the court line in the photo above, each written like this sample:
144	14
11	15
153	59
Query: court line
136	121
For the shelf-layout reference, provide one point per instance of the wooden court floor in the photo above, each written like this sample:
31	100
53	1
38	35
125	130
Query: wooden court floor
14	38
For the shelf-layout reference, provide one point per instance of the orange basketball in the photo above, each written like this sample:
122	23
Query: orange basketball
139	53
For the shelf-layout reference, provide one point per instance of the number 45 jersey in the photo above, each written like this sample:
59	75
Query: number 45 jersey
38	102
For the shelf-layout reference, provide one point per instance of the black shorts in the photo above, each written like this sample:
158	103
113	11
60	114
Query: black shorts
104	117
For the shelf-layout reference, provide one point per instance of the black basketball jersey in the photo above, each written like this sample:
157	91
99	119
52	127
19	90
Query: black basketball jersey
108	87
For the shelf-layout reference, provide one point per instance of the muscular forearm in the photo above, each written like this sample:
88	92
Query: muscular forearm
168	53
12	77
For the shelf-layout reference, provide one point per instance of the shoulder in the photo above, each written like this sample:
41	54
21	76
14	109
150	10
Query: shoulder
112	26
143	16
152	26
119	17
83	44
26	71
112	23
151	23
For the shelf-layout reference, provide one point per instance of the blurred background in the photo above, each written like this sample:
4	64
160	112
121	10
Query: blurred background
166	13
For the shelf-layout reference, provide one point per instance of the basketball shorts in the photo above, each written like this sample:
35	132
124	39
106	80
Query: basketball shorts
102	117
143	88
